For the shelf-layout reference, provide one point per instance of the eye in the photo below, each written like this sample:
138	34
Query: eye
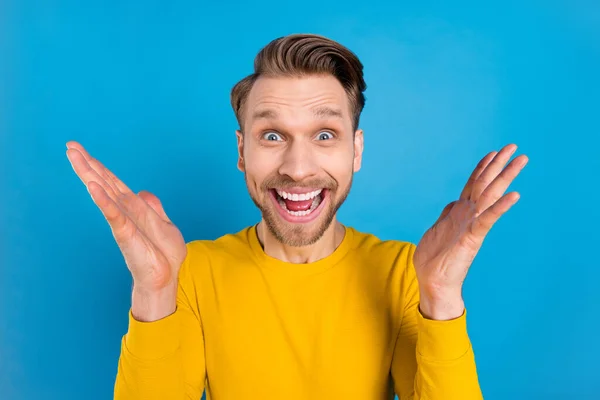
272	136
324	136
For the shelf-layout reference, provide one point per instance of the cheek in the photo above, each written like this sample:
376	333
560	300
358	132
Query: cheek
339	166
344	178
259	166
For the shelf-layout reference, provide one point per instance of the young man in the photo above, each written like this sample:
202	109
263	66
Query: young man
298	306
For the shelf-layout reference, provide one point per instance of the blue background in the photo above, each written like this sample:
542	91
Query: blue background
145	87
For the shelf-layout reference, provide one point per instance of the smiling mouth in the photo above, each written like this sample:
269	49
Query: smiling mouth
299	204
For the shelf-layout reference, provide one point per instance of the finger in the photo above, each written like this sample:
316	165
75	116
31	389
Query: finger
115	183
86	173
119	183
499	185
128	203
76	147
483	163
154	203
484	222
121	226
102	171
491	171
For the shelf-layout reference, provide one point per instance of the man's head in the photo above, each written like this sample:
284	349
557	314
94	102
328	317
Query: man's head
298	142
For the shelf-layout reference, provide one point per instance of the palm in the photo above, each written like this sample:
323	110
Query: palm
447	250
152	246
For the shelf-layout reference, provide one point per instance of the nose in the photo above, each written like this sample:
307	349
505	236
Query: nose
299	161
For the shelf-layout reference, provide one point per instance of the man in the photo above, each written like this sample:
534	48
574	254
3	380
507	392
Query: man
299	306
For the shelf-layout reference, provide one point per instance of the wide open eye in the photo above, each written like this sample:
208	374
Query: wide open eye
325	136
272	136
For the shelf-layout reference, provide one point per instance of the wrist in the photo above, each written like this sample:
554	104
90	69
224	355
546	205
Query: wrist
441	306
152	305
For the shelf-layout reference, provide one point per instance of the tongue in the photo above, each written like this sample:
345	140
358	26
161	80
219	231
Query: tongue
301	205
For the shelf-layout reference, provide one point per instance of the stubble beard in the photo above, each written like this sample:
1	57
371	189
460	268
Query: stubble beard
299	235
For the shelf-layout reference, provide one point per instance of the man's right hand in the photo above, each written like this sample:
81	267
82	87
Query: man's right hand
152	246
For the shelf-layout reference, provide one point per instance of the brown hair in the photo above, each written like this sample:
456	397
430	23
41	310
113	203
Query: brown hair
301	55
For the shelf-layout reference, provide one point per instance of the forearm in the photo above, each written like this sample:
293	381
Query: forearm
434	345
433	358
446	366
150	364
162	354
150	361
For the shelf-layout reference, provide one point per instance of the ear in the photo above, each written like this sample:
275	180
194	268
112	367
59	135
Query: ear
358	149
240	145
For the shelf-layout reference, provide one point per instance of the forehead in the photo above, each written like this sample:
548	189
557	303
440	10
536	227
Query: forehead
317	96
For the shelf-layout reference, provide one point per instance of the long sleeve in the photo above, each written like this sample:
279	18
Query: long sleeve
164	359
433	360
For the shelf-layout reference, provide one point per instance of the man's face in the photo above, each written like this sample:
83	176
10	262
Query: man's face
298	152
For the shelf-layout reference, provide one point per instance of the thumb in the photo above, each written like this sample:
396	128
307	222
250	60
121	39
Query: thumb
154	203
445	212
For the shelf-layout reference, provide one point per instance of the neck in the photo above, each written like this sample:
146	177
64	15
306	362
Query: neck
326	245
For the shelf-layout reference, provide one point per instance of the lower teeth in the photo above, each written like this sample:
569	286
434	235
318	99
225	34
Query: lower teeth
315	204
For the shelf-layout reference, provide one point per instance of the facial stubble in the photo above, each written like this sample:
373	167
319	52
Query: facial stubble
298	235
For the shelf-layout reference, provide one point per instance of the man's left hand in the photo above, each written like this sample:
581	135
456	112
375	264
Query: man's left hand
446	251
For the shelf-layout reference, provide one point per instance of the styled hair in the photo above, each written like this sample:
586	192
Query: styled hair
301	55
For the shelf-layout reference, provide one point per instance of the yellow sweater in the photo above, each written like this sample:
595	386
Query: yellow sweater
249	326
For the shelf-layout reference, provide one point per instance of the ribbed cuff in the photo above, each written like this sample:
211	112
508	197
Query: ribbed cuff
442	340
153	340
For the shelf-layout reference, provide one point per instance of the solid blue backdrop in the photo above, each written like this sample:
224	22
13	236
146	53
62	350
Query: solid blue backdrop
145	87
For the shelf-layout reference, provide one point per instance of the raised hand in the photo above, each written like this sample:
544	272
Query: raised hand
152	246
446	251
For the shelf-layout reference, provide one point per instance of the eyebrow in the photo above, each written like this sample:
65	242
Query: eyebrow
327	112
319	112
265	114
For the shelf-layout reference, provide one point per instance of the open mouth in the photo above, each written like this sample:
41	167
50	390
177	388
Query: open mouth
296	206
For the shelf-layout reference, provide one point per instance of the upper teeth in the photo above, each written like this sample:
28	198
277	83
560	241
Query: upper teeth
298	196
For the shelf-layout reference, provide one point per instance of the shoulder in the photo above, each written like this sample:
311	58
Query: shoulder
389	264
390	260
202	253
392	252
230	243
